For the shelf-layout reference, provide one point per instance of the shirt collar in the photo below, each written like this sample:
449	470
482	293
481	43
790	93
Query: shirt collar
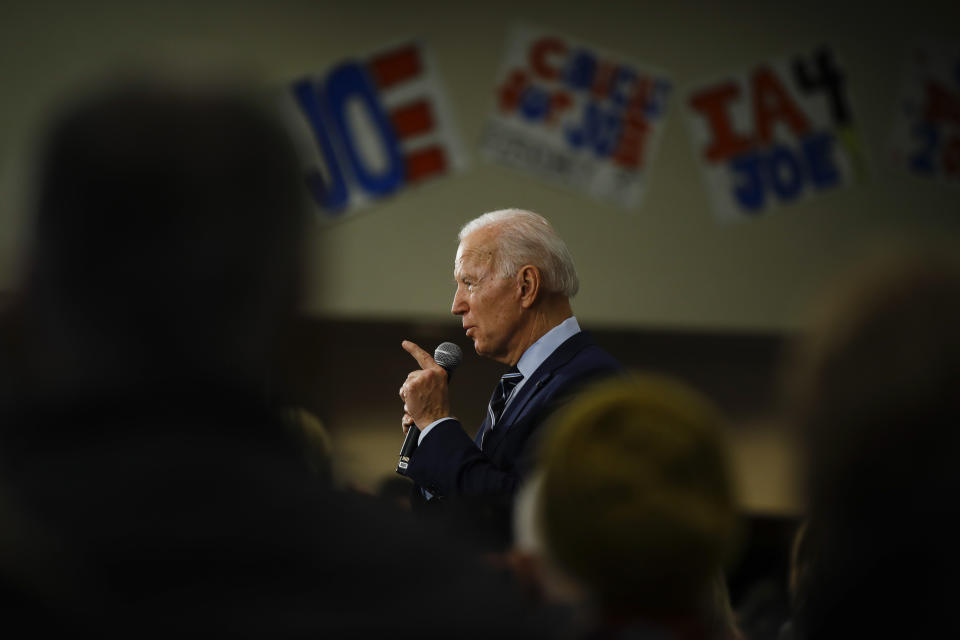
540	350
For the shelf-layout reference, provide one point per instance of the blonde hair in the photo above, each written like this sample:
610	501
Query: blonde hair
636	497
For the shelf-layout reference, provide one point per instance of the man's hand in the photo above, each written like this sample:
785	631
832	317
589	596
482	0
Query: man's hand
424	393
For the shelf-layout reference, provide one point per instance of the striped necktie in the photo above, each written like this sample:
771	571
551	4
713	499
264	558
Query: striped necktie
498	401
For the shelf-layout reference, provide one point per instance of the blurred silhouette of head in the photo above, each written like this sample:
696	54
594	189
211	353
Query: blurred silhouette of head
874	389
636	501
166	244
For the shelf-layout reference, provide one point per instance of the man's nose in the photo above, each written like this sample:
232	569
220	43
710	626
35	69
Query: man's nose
459	307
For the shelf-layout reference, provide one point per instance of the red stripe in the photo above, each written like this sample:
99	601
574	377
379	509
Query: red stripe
412	119
397	66
425	163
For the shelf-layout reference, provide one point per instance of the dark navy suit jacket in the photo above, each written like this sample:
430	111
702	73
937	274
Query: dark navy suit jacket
451	465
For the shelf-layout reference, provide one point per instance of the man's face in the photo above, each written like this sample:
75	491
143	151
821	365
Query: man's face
488	303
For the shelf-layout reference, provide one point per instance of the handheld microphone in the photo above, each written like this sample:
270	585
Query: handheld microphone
448	356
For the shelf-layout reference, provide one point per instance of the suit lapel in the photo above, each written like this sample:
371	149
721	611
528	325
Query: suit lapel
560	356
478	439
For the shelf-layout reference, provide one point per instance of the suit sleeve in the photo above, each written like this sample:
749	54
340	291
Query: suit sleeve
448	463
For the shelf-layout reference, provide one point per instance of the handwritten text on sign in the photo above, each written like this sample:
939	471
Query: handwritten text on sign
774	134
574	115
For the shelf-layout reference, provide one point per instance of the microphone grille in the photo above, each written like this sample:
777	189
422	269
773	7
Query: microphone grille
448	355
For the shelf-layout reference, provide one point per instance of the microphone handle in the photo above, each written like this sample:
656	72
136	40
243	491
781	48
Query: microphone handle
409	446
413	437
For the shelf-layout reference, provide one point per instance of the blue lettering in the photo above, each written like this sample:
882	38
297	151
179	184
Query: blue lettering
658	98
581	70
599	131
624	79
749	190
818	153
348	82
784	171
786	175
331	195
923	160
535	103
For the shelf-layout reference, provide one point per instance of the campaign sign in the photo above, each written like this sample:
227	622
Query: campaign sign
573	114
368	128
774	134
926	137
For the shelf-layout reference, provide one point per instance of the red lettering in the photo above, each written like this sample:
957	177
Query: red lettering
713	104
771	103
396	66
951	157
629	152
603	80
641	92
560	101
540	51
425	163
942	105
413	119
511	91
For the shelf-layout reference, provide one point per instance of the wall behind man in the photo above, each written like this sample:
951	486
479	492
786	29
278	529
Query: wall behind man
648	274
667	264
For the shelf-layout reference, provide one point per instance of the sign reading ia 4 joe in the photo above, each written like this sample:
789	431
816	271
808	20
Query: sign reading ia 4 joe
773	134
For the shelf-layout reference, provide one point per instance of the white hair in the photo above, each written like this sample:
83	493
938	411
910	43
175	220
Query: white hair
527	238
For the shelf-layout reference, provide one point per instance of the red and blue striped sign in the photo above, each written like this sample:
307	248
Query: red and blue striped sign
376	126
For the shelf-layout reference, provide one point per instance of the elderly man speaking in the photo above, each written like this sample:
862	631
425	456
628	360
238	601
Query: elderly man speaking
515	278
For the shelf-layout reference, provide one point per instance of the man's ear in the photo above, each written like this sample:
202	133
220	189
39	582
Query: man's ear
528	279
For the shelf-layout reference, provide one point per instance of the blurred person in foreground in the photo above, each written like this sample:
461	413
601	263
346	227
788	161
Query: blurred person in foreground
157	489
515	279
874	389
630	516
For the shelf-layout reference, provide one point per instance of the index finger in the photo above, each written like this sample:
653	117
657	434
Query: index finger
424	359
